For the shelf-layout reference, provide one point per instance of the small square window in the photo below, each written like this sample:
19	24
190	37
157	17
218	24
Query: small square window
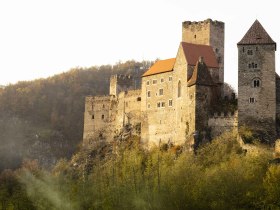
162	104
158	104
161	80
250	52
252	100
160	92
148	82
170	78
170	102
154	81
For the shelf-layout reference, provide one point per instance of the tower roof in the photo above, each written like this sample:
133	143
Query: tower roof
256	35
194	51
201	75
161	66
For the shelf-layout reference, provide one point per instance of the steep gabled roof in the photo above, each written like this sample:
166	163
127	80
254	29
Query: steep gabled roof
161	66
201	75
194	51
256	35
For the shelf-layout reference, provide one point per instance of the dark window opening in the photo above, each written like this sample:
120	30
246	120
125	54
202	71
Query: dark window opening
256	83
195	36
103	106
250	52
102	117
139	99
179	89
92	116
252	100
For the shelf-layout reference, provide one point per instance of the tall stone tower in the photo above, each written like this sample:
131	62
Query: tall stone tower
207	32
256	80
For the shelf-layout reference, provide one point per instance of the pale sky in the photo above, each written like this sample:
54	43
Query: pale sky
40	38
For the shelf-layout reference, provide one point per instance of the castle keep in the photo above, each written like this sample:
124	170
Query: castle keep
177	97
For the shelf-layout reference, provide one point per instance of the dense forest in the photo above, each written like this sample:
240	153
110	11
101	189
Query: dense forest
43	119
121	175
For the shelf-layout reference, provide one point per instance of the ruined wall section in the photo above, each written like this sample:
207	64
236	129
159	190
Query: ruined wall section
222	122
128	109
100	114
157	109
121	83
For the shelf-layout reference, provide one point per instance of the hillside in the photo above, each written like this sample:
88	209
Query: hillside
123	175
43	119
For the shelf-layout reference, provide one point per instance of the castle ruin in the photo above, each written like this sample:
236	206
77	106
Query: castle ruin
175	104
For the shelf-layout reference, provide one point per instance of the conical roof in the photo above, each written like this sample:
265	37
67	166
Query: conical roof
256	35
201	75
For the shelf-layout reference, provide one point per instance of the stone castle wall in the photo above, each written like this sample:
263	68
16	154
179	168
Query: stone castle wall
221	122
106	116
157	109
120	83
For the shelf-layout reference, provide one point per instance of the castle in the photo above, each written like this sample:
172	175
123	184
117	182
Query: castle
175	104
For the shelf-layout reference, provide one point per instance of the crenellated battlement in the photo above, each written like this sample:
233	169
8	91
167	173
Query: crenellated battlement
224	114
119	83
222	122
202	23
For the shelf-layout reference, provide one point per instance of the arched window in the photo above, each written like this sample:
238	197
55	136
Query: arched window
256	83
179	89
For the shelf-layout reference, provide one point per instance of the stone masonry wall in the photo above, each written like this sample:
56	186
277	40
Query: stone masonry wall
278	97
220	123
157	109
120	83
99	114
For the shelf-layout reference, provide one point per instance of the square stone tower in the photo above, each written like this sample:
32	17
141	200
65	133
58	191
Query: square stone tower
207	32
257	80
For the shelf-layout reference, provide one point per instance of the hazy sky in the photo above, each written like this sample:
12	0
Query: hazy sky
40	38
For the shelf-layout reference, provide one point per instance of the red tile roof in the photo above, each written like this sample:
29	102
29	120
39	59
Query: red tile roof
161	66
194	51
256	35
201	75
